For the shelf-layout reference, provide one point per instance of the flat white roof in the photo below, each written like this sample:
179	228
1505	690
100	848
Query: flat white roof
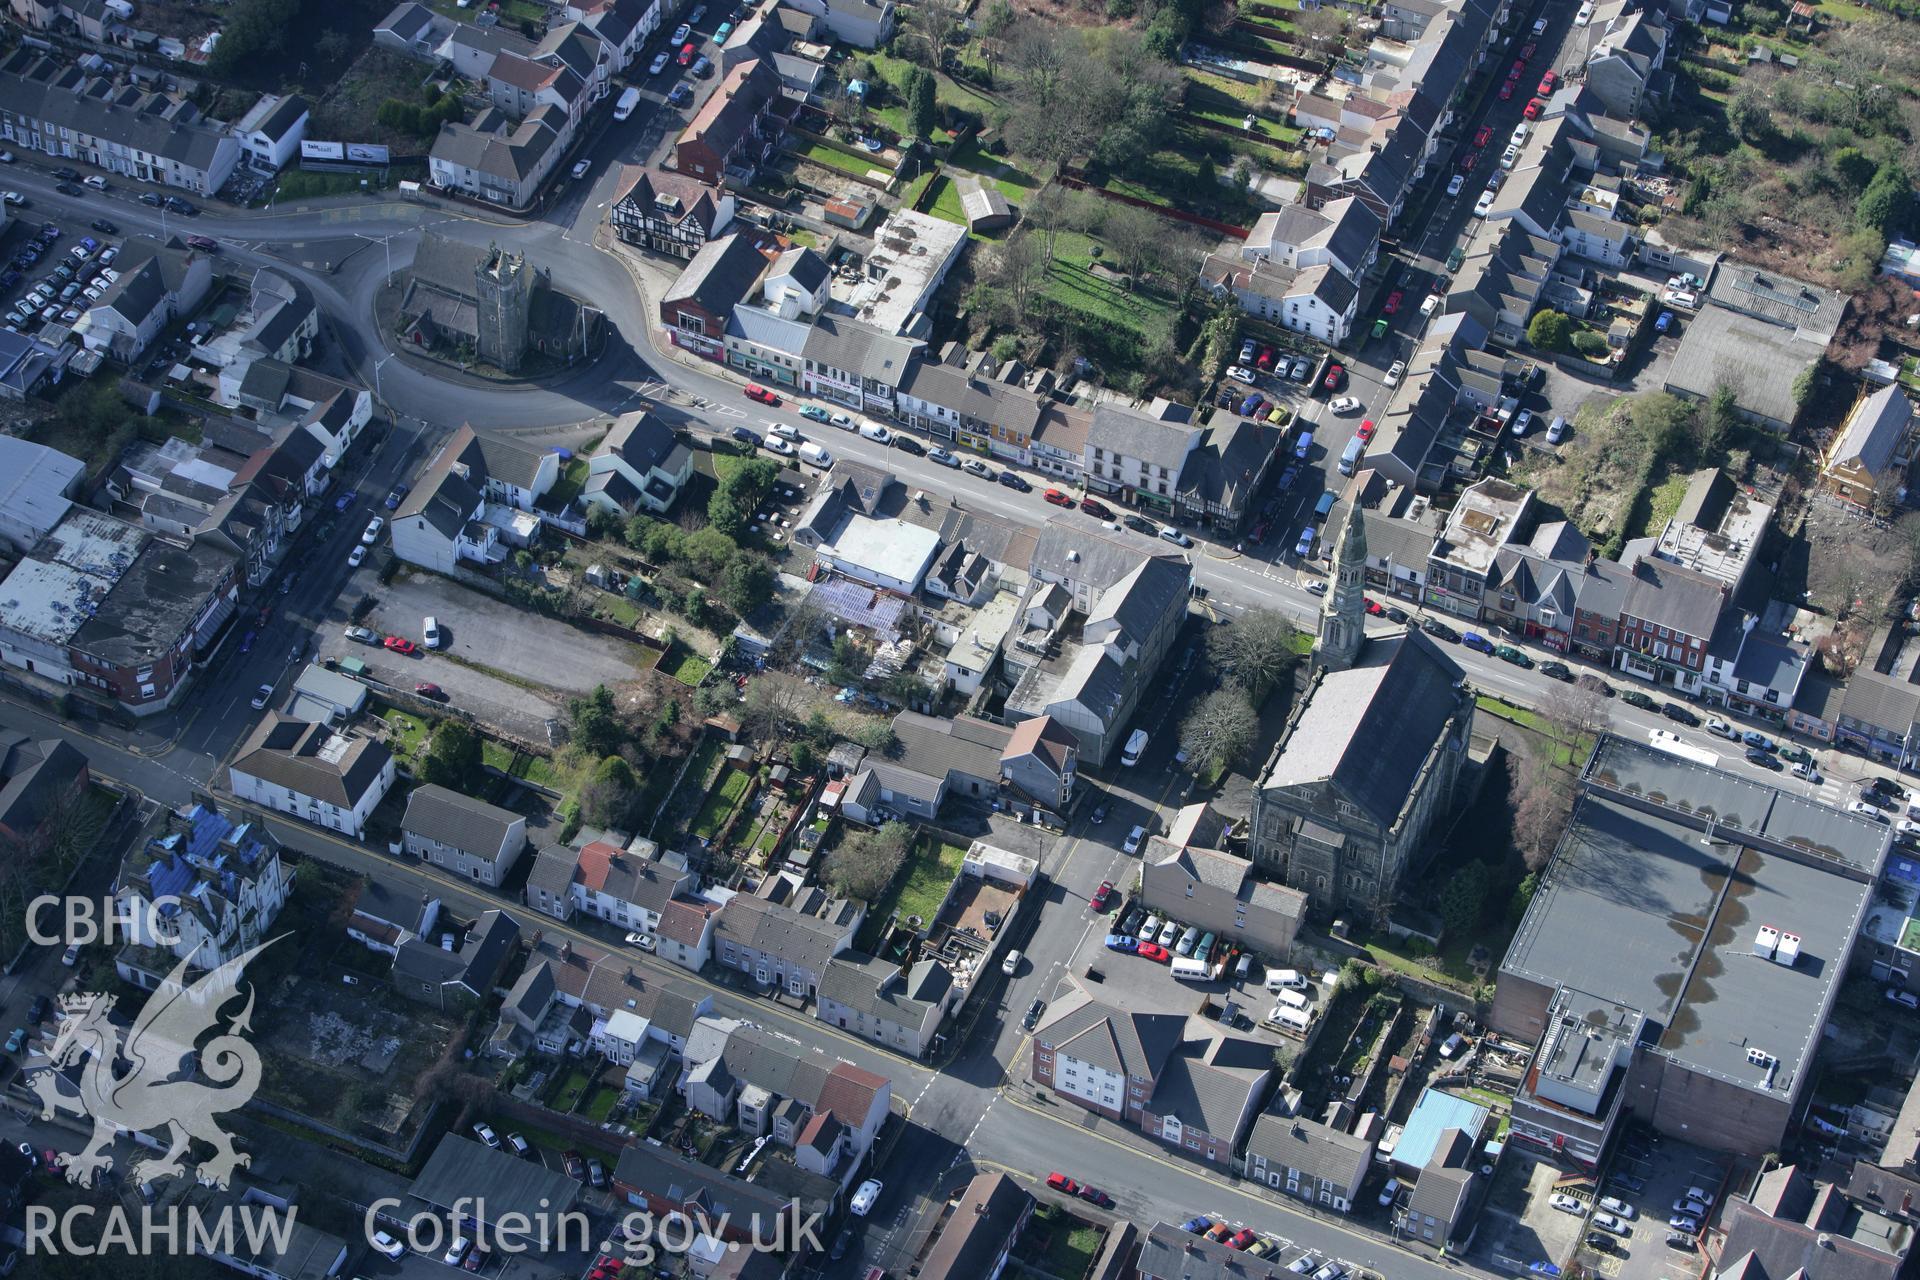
911	252
886	550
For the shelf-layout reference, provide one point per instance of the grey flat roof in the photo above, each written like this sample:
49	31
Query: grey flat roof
1640	907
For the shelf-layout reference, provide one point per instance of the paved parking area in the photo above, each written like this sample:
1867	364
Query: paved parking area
56	261
500	646
1667	1167
1519	1226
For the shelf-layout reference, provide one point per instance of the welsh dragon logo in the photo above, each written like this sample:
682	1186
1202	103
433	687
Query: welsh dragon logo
126	1086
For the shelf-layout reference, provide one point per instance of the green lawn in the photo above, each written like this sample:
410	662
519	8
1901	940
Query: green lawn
1071	283
920	890
837	160
1662	502
570	1091
946	90
946	201
410	729
535	769
721	803
686	666
599	1105
573	479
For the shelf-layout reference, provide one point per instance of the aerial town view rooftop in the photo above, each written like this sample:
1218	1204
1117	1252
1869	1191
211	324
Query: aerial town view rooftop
959	639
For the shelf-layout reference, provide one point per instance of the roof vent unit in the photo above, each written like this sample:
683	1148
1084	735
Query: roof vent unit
1789	950
1765	941
1759	1057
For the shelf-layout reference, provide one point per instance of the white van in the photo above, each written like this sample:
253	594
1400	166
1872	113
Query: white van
1279	980
1293	1000
1294	1020
1350	456
1135	748
814	454
875	431
628	101
1185	970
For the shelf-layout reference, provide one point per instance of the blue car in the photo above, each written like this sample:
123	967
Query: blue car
1248	405
346	500
745	436
680	95
1474	640
246	641
1194	1226
1123	942
1664	323
814	413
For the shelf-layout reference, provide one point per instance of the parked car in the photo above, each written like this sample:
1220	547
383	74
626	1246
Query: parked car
1134	839
1557	671
1679	714
1096	508
1034	1010
262	696
1015	482
944	457
1057	497
1477	642
1566	1203
1439	630
1618	1207
1635	698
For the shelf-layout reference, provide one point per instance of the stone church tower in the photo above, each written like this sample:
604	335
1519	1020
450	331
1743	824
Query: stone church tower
503	302
1343	613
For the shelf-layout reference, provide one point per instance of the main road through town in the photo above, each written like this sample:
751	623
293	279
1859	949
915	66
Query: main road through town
973	1114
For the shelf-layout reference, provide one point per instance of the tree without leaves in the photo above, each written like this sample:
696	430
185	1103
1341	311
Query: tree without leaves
1319	30
864	864
1541	806
1046	212
1134	238
1017	271
937	26
774	702
1255	652
1217	730
1575	715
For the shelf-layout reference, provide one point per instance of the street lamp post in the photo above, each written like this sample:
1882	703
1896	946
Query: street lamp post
386	242
376	374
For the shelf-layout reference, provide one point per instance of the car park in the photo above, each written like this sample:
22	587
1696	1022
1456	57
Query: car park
1240	373
702	67
1684	1222
1122	942
1566	1204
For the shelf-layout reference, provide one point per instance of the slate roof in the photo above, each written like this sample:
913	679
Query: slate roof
806	268
688	199
1132	434
628	876
1881	701
1674	597
776	930
683	1180
1070	550
978	1229
1295	1142
642	440
461	822
972	395
1369	730
287	752
34	774
1044	737
1176	1255
1136	1045
407	20
61	96
1875	429
878	989
938	747
499	1181
722	273
841	342
1210	1082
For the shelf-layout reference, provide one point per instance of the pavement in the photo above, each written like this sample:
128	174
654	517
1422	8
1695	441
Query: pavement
970	1115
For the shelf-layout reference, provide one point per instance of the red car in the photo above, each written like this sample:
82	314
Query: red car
686	53
1526	50
1374	609
1534	108
1062	1183
1393	302
1096	508
1219	1231
1506	91
1057	498
427	689
1547	84
1483	137
1517	70
757	392
1265	361
1102	896
1367	428
1467	161
1242	1239
576	1165
400	644
1095	1196
1334	375
1154	951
